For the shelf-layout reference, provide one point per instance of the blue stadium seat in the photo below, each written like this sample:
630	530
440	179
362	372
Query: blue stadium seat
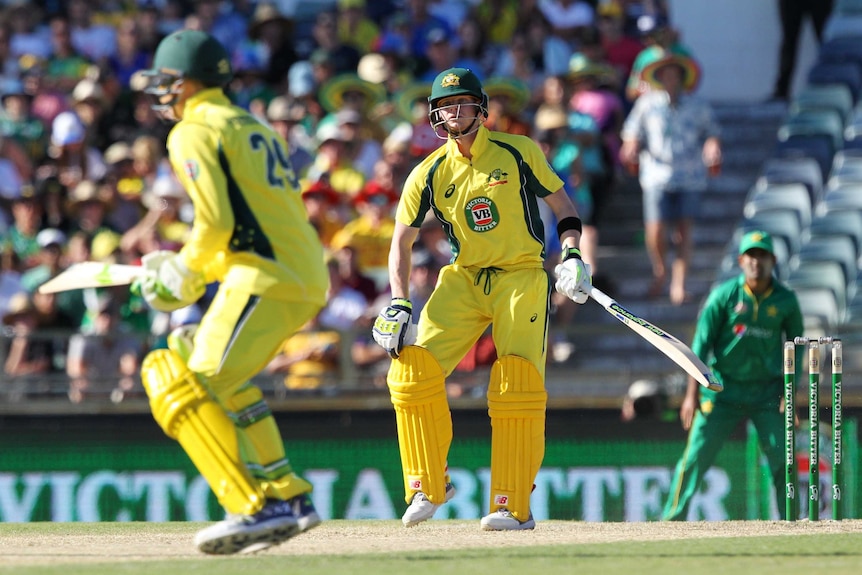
846	223
779	197
838	249
783	224
820	147
814	122
789	170
824	96
820	274
847	73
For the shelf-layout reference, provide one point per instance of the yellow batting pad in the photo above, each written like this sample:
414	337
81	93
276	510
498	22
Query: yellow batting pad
186	412
261	445
516	404
418	390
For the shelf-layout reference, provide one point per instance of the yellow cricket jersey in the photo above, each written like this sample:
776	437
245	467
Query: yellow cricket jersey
250	228
487	204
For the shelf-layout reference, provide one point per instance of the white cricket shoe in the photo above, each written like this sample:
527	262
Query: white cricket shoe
420	509
503	520
271	525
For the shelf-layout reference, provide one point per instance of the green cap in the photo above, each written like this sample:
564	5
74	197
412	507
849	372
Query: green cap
193	54
756	239
455	82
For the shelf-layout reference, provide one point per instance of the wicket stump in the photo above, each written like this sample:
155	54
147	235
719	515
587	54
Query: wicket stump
790	475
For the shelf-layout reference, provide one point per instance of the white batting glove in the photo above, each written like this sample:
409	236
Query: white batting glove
573	276
174	285
393	328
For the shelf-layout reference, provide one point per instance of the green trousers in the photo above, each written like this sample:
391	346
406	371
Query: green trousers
718	417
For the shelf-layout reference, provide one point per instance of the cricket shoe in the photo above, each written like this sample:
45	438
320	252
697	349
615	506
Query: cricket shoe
305	513
503	520
271	525
421	509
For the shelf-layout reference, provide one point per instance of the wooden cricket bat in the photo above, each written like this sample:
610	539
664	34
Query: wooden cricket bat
91	275
676	350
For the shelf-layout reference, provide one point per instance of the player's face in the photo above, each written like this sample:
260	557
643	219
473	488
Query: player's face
458	112
757	264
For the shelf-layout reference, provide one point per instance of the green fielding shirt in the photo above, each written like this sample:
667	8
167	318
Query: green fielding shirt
741	337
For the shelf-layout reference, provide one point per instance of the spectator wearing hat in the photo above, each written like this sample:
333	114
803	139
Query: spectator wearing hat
360	145
88	208
70	159
673	138
442	53
20	237
273	31
350	92
507	99
90	103
412	104
370	233
323	205
354	26
333	165
658	37
162	228
32	357
123	187
18	123
248	86
70	304
287	117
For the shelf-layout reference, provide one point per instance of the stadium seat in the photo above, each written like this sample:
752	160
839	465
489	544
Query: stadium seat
841	196
814	122
804	170
847	73
819	309
846	223
820	274
820	147
846	166
779	197
783	224
824	96
838	249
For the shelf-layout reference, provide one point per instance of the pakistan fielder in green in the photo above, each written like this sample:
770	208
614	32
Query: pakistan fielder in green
740	334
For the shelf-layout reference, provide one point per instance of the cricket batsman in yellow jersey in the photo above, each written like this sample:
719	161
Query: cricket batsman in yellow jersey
484	188
251	234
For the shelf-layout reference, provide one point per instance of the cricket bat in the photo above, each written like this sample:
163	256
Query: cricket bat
676	350
91	275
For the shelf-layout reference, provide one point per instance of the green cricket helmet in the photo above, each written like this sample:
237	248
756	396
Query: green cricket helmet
187	54
456	82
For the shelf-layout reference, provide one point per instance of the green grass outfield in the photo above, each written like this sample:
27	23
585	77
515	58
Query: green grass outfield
437	547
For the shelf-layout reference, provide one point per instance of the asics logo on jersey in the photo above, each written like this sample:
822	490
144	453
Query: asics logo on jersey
449	191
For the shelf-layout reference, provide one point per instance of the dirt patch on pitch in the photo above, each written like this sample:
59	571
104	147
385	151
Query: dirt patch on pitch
342	537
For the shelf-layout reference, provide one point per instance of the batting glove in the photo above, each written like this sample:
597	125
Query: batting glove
573	276
172	284
393	328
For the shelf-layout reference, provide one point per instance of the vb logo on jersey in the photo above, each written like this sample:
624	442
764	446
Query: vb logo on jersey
482	214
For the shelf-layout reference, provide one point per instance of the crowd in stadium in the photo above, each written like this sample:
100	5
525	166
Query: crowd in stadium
84	175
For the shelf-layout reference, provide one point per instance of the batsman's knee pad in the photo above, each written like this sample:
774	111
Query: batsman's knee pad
516	404
186	411
261	445
417	386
